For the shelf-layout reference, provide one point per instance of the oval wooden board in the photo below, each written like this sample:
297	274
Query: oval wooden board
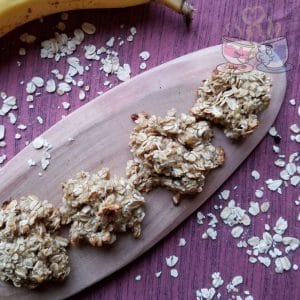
101	131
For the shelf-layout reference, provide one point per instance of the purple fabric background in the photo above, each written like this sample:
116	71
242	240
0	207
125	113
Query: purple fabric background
164	35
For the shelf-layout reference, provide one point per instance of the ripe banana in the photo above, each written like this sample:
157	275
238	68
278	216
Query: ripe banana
14	13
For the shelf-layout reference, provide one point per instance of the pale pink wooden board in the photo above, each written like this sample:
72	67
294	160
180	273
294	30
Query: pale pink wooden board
101	131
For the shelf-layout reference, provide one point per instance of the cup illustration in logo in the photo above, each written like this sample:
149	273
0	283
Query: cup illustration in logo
272	56
238	54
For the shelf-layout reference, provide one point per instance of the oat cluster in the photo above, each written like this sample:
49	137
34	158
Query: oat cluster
30	251
233	101
98	206
172	152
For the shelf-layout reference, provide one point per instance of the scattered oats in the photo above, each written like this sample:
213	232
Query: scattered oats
106	83
171	261
292	102
22	51
22	127
174	273
237	280
40	120
31	162
50	86
66	105
88	28
264	260
145	55
297	138
254	208
182	242
241	244
282	264
2	144
29	98
295	180
81	95
211	233
30	87
121	43
63	88
138	277
267	227
204	236
274	185
279	163
2	158
75	66
291	168
280	226
38	143
255	174
295	267
276	149
61	26
237	231
44	163
110	42
124	72
291	243
87	88
5	109
157	274
213	220
200	217
11	101
273	132
295	128
133	30
277	238
64	16
284	175
27	38
252	259
233	215
90	53
2	132
37	81
225	194
130	38
80	83
217	280
143	66
259	194
205	293
298	111
18	136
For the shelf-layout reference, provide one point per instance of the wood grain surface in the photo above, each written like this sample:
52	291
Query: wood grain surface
162	33
155	91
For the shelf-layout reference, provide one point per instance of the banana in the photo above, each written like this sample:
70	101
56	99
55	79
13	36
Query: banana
14	13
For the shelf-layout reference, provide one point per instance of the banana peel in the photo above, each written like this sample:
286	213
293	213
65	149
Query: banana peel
14	13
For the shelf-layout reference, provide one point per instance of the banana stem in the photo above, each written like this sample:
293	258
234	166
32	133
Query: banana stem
181	6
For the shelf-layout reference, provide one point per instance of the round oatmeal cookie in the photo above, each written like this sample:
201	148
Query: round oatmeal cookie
172	152
233	101
99	206
30	252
